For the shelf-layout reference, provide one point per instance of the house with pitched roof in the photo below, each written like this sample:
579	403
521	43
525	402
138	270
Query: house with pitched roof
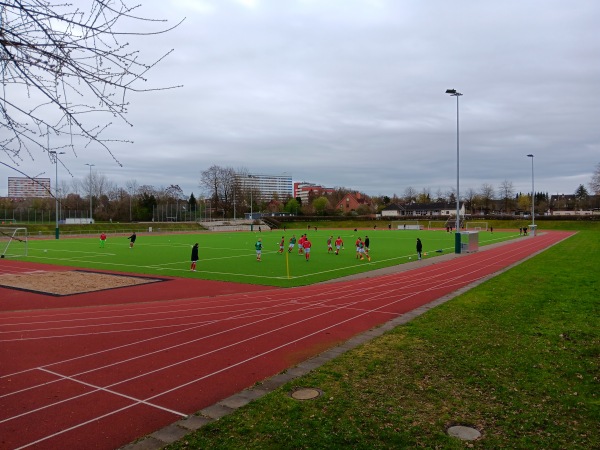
351	202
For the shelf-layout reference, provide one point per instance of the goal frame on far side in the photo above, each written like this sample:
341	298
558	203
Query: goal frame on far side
13	242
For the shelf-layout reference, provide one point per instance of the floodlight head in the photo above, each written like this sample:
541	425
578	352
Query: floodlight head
530	156
453	93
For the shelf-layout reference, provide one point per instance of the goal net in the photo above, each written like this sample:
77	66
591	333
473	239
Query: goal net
476	226
436	225
13	242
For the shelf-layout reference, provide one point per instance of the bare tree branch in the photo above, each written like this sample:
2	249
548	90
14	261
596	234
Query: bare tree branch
64	70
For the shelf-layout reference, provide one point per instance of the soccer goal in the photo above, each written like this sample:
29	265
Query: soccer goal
436	225
476	226
13	242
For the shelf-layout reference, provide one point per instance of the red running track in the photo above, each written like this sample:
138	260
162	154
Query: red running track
102	376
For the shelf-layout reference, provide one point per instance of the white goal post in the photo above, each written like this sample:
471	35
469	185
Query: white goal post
13	242
476	226
436	224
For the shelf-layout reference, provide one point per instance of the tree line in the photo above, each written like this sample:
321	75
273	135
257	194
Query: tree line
224	195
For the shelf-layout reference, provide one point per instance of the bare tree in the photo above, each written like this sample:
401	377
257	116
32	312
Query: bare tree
506	192
220	184
174	192
470	196
487	195
62	65
210	182
96	184
410	194
595	183
439	195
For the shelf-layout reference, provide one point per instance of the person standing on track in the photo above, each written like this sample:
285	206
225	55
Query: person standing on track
419	247
132	239
194	257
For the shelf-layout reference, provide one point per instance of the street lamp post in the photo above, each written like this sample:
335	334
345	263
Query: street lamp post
91	165
455	93
54	158
251	202
532	196
234	189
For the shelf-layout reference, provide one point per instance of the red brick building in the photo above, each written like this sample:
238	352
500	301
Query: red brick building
351	202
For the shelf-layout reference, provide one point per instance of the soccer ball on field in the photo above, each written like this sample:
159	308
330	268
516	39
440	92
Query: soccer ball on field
410	257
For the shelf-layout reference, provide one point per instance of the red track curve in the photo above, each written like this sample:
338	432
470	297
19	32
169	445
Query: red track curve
102	376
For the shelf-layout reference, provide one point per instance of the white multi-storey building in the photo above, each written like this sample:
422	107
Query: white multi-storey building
21	187
266	187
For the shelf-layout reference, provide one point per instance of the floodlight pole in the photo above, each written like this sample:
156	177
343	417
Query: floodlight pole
532	193
251	202
455	93
91	165
54	157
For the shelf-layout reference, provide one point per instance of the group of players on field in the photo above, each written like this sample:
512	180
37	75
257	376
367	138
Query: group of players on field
304	246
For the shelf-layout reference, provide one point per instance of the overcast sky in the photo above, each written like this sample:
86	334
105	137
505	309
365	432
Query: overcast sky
352	93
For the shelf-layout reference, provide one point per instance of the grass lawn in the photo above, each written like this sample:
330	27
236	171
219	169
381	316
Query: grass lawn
232	257
516	357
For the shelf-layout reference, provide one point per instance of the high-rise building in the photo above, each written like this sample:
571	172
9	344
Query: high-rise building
266	187
20	187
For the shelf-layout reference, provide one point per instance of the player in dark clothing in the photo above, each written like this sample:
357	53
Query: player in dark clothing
194	257
419	247
132	239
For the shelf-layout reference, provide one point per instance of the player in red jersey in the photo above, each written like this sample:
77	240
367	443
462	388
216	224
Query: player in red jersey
300	244
338	243
306	244
358	245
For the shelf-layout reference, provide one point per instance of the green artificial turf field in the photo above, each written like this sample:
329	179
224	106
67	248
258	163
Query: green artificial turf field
232	257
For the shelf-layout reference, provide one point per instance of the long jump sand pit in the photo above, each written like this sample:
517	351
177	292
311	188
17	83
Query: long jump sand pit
70	282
